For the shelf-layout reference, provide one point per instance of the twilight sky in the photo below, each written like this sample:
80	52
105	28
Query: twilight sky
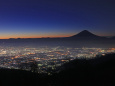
56	18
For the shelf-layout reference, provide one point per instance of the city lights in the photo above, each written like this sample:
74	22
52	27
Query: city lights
46	57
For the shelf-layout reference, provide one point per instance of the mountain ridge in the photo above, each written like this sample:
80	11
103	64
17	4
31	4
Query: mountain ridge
82	34
85	34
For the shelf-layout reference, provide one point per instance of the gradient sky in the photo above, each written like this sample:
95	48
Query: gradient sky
56	18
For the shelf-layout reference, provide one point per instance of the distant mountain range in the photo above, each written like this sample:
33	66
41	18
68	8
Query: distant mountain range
82	34
82	39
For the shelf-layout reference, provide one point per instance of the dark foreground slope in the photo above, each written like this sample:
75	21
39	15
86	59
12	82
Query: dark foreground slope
94	72
15	77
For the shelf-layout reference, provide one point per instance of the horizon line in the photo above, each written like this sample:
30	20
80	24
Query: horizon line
62	36
46	37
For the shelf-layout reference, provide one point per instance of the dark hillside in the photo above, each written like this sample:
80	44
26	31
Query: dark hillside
15	77
94	72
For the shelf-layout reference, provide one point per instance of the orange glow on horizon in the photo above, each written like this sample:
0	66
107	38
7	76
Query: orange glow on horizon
45	35
39	36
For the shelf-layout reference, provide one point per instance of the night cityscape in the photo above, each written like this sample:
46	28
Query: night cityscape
57	42
46	57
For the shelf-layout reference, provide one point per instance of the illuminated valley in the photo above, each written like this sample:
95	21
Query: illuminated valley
48	59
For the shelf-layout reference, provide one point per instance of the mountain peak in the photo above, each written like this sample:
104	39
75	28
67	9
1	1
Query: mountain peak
85	34
85	31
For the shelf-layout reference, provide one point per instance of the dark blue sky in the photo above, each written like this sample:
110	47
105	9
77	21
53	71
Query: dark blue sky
55	18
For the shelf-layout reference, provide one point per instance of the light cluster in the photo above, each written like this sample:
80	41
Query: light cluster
47	59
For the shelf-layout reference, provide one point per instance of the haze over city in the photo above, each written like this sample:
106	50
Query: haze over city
55	18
